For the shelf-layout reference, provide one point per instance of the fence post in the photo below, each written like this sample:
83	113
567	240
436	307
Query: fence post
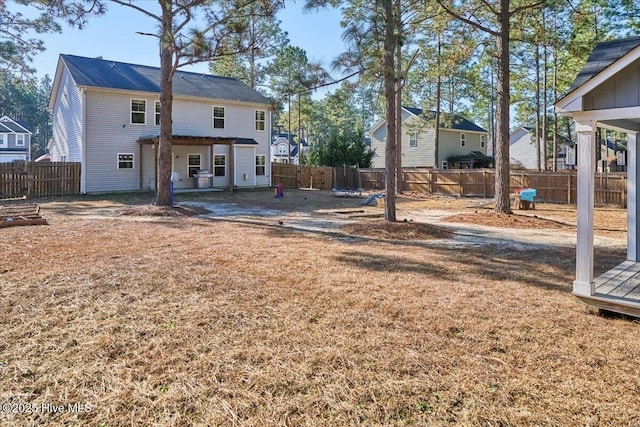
460	182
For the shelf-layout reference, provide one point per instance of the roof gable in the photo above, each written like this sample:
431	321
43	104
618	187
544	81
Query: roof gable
603	55
606	60
12	126
447	121
100	73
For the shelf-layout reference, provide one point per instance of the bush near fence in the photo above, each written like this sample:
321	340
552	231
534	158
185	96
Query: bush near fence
551	187
29	179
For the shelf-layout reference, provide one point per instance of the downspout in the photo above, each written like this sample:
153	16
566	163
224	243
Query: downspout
269	153
83	139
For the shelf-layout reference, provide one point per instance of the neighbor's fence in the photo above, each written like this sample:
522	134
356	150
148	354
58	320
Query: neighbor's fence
553	187
28	179
303	176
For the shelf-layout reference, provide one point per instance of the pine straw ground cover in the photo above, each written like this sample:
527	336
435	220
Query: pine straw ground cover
183	321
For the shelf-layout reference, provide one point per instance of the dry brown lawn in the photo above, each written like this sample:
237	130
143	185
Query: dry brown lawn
180	321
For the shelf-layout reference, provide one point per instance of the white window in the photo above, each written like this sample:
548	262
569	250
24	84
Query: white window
483	140
3	141
19	140
220	165
260	119
125	161
413	139
138	111
282	149
157	113
195	164
261	162
218	117
463	140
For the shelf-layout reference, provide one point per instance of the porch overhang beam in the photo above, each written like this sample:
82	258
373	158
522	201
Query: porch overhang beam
624	113
624	126
188	140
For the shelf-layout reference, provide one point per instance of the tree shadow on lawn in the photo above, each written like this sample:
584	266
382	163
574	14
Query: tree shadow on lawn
548	267
553	270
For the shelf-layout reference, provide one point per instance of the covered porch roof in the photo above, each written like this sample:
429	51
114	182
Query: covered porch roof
606	93
195	140
198	140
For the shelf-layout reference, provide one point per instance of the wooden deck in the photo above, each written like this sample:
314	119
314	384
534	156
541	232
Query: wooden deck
617	290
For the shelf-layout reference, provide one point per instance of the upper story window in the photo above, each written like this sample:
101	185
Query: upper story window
463	140
413	139
3	141
19	140
157	113
218	117
260	119
483	140
138	111
282	149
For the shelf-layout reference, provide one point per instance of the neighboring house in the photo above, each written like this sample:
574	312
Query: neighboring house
282	150
458	137
522	149
15	141
106	115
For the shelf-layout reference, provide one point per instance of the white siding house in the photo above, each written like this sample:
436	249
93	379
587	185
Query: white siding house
283	151
15	141
458	137
106	116
522	149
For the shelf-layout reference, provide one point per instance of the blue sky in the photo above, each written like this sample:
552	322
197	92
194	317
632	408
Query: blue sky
113	36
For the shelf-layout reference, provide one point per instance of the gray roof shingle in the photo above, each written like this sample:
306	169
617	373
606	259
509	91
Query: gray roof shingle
448	121
119	75
603	55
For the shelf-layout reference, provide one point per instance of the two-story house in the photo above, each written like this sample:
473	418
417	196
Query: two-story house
106	115
457	137
284	150
15	141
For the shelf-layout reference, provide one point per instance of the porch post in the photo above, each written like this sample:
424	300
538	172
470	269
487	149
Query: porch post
232	167
583	285
633	209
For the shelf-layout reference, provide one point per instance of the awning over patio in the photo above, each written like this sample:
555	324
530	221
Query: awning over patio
193	140
198	140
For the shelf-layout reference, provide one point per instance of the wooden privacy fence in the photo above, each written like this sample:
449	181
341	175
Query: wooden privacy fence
303	176
28	179
553	187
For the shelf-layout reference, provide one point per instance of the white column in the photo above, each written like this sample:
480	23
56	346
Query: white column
583	284
633	209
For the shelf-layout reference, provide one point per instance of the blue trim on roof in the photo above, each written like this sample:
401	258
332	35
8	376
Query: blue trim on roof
447	121
102	73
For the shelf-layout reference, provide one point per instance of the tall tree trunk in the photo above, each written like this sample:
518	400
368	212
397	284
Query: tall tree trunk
389	90
502	201
545	124
398	94
163	186
436	148
537	144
